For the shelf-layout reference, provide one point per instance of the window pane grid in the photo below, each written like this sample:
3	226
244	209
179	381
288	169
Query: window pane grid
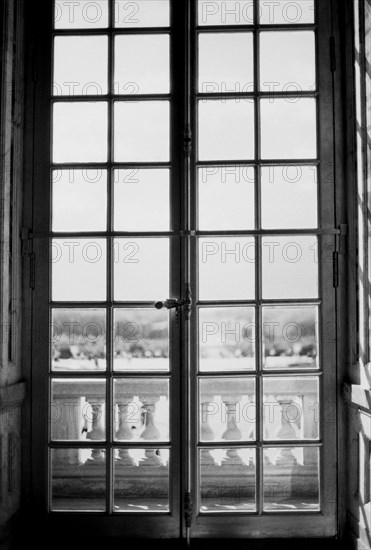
260	302
258	297
106	451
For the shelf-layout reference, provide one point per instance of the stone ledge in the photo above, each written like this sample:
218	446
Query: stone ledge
12	396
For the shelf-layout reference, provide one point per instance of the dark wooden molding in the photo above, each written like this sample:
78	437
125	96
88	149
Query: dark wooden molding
12	396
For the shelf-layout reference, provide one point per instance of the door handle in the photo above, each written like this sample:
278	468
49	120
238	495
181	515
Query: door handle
172	303
176	303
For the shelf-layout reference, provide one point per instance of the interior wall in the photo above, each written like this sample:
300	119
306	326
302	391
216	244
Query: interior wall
12	389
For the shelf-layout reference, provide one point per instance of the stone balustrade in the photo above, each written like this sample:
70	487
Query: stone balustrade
78	413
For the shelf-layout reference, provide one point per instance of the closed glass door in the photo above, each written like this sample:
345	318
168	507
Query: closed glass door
184	233
261	276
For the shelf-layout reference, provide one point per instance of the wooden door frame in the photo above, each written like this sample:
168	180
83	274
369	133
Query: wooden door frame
36	168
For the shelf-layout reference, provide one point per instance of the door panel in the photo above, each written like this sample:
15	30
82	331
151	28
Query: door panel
187	163
262	443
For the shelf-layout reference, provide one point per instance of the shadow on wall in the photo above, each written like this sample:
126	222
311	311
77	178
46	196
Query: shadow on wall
359	469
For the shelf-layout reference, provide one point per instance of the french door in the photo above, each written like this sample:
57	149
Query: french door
184	253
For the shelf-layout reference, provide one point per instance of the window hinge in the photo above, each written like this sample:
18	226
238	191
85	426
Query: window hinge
27	250
188	139
332	54
188	510
340	248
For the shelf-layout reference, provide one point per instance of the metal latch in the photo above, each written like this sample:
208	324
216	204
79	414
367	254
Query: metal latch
176	303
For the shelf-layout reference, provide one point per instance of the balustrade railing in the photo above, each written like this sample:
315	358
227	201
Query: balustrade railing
79	414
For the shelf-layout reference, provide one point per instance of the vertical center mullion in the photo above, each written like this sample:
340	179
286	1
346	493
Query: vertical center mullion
258	267
190	272
109	241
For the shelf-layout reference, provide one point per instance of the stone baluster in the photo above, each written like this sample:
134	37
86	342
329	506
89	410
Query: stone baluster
124	431
285	432
206	431
150	431
66	424
271	424
97	432
232	431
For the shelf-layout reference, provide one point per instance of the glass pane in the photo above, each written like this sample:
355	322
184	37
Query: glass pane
229	12
79	200
291	479
291	408
141	270
289	197
80	132
81	14
141	340
285	12
78	269
226	339
78	339
290	267
290	337
78	480
142	64
225	63
142	13
227	480
142	200
226	130
287	61
141	480
141	409
226	198
80	65
77	409
142	131
288	128
226	268
227	409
